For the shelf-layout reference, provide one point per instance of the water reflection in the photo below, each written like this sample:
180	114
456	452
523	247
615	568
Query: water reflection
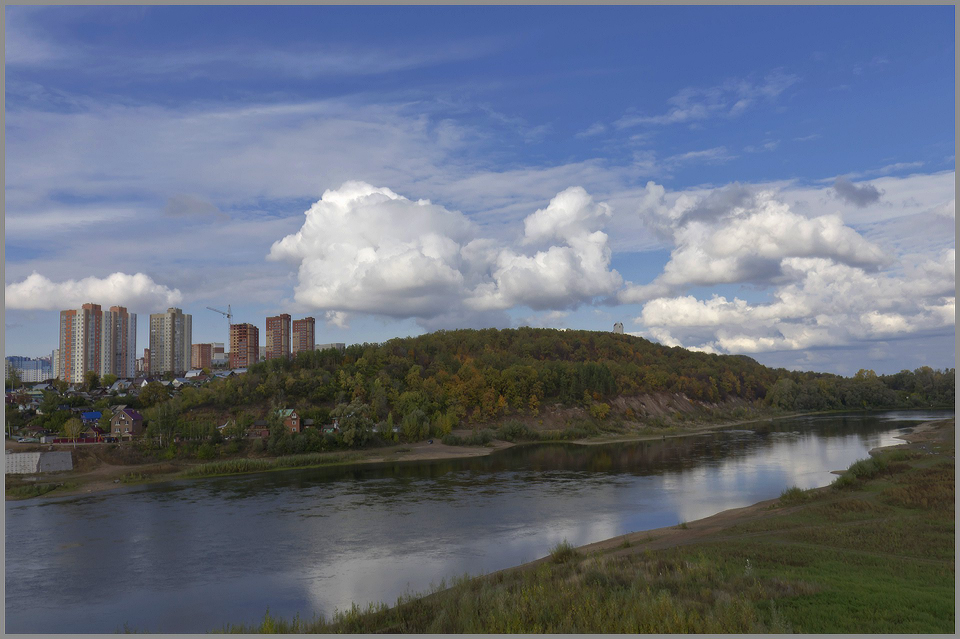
190	555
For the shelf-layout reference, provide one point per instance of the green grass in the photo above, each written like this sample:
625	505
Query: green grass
793	495
875	556
26	491
239	466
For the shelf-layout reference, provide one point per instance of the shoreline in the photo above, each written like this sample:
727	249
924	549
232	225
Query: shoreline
107	477
694	531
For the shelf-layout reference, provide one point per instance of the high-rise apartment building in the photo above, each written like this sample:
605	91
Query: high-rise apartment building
278	337
92	339
304	334
146	362
81	331
119	344
171	336
244	345
201	356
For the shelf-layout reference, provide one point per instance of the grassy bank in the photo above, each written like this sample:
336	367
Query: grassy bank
263	464
18	490
874	552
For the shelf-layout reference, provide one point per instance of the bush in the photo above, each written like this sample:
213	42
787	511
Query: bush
793	495
478	438
206	451
563	552
514	431
861	470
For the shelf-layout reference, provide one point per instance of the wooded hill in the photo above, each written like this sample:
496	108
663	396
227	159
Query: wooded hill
448	378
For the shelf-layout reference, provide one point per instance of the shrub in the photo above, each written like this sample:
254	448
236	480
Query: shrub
563	552
793	495
514	431
206	451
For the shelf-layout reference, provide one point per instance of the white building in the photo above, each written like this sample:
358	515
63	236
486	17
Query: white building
29	369
171	340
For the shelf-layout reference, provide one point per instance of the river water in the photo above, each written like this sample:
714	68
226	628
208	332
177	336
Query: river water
189	556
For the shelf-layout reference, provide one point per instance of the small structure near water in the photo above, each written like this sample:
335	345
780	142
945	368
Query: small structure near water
30	463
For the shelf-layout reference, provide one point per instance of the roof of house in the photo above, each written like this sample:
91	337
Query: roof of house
286	412
92	415
130	413
193	372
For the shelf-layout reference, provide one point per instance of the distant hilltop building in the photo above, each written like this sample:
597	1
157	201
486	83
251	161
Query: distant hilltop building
340	346
244	345
618	328
304	334
278	337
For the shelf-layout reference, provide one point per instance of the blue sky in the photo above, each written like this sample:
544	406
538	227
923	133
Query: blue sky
775	181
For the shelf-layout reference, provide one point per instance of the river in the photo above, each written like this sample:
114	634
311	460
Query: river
189	556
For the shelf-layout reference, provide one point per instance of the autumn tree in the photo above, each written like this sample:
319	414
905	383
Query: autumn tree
73	428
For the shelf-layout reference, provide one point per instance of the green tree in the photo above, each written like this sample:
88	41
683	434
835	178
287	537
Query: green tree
104	422
73	428
152	394
108	380
91	380
165	422
13	379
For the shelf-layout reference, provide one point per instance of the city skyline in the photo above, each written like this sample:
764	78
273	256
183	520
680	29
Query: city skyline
712	178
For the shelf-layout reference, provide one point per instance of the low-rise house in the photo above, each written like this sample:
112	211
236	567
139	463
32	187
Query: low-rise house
196	372
291	420
259	429
91	417
331	428
120	385
126	423
180	381
95	433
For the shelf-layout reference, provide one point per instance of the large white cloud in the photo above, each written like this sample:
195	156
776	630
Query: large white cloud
736	235
364	249
562	276
826	304
137	292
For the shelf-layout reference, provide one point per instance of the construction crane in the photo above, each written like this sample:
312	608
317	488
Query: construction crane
228	314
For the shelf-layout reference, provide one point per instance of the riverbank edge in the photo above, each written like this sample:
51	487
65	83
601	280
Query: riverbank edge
688	530
683	534
89	483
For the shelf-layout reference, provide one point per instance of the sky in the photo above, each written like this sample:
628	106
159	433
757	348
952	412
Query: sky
771	181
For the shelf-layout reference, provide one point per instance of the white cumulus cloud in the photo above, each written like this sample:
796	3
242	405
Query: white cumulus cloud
734	235
137	292
826	304
365	249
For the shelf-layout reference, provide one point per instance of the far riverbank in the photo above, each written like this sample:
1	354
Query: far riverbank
96	475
